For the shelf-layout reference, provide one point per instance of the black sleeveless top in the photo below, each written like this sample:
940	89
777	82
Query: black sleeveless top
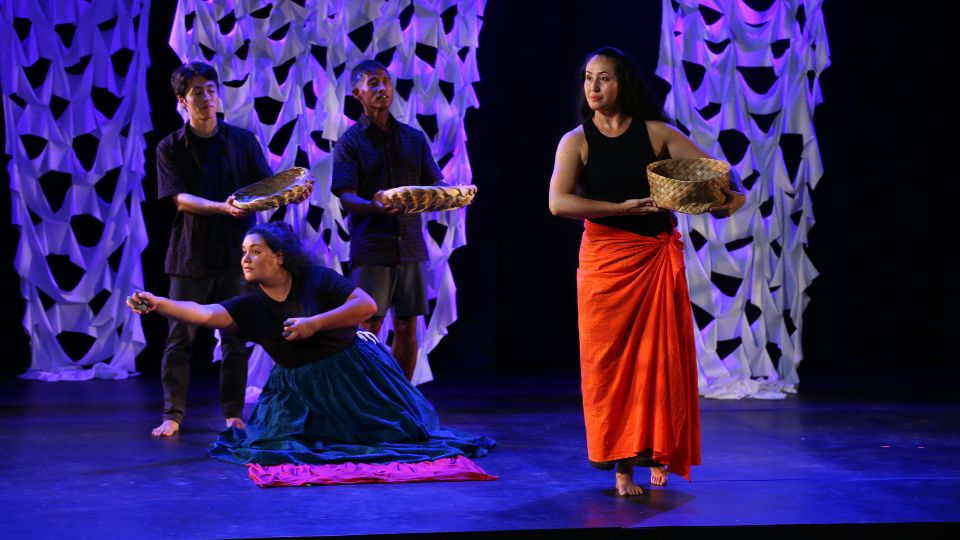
616	170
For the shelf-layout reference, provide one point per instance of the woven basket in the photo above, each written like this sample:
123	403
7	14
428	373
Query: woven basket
416	199
691	186
286	187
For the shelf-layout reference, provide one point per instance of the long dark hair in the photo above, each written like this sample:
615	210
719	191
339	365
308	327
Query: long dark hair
280	238
635	94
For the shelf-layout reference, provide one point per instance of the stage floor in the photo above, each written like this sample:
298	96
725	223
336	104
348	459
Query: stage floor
80	463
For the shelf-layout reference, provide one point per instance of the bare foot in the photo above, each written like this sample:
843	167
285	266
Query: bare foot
658	476
236	422
168	428
626	487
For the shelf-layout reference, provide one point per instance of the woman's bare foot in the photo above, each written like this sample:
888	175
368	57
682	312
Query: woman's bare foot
626	487
168	428
236	422
658	476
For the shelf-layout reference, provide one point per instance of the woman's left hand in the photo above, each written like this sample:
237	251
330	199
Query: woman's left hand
733	200
296	328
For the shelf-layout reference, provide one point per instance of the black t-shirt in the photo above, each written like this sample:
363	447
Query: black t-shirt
261	318
208	152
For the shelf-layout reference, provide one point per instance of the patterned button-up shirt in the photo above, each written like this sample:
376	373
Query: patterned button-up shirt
367	159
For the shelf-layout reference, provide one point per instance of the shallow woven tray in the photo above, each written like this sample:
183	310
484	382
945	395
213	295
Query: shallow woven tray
286	187
415	199
691	186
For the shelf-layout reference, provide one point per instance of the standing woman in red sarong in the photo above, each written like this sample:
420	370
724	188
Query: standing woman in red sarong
637	354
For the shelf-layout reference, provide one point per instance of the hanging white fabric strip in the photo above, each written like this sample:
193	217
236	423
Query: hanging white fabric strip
75	108
300	57
747	82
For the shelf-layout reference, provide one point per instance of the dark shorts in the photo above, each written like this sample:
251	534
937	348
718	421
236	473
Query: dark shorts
401	287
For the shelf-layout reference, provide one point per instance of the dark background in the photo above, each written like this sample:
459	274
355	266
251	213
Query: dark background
884	302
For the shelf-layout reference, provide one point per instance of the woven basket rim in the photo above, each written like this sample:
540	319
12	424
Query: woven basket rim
293	177
413	189
292	185
725	168
691	195
416	199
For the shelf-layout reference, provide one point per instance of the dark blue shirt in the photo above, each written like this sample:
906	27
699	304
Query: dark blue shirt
260	317
203	246
367	159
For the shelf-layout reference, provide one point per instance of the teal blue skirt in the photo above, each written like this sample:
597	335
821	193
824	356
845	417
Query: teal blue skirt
355	406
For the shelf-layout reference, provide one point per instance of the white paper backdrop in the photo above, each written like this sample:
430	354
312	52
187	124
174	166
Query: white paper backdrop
75	106
745	84
285	74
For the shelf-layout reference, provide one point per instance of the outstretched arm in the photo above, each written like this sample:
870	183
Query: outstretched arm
194	204
564	202
206	315
358	307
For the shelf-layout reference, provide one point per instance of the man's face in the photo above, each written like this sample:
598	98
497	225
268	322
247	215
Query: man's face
375	91
200	100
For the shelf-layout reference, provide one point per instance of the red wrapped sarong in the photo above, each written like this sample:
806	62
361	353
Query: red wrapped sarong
637	353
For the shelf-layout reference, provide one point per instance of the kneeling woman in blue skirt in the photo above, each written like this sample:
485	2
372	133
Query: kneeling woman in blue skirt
335	395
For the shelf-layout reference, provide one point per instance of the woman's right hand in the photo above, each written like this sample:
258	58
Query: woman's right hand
142	302
640	207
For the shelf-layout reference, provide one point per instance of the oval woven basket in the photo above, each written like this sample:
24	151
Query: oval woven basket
691	186
285	187
416	199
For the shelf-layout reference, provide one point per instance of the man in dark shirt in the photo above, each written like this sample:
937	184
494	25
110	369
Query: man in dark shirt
386	247
199	166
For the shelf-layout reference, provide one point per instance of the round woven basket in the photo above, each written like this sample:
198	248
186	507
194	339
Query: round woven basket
691	186
291	186
416	199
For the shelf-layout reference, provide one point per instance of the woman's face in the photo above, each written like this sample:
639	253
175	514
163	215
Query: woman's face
259	262
600	84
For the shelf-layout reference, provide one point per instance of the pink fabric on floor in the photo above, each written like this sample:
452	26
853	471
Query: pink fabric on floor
455	469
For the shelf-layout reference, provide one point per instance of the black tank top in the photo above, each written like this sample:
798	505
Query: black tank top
616	170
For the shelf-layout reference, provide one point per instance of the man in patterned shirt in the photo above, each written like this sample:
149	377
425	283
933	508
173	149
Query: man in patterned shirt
387	249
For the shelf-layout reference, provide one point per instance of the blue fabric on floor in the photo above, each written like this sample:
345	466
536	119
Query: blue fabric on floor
355	406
